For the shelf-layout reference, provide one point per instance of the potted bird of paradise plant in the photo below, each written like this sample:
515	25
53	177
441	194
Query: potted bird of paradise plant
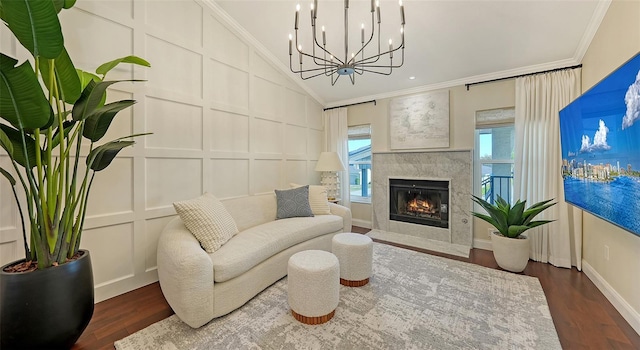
54	118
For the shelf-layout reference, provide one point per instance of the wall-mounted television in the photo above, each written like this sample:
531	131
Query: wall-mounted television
600	138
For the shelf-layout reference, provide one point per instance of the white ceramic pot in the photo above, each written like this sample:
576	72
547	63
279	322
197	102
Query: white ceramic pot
512	254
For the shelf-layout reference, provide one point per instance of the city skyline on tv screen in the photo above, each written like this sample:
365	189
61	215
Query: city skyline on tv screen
600	137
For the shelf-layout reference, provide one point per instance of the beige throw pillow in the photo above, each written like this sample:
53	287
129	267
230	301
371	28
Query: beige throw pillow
317	199
208	220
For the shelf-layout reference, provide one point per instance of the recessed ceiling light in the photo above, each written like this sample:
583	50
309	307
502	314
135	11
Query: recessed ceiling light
412	78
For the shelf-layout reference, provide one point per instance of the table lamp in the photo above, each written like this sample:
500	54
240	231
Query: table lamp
329	164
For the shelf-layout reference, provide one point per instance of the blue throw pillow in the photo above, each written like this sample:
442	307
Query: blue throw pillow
293	203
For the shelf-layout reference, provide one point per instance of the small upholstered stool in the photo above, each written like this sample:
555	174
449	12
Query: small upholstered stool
355	253
313	286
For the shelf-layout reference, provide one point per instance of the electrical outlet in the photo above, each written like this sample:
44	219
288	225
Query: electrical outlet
606	252
489	232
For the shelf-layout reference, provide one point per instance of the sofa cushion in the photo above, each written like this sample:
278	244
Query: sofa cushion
250	247
293	203
208	221
317	199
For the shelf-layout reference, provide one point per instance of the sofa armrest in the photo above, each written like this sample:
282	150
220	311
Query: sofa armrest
345	212
185	272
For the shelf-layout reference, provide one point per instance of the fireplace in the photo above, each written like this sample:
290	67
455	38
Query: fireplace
424	202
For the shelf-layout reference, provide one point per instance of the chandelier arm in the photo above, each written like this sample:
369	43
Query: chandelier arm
311	76
333	81
353	79
333	67
313	70
373	29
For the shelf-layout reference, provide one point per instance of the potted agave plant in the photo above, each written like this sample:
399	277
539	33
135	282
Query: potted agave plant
510	246
54	117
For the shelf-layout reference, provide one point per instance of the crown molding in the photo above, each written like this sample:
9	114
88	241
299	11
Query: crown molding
460	82
228	21
596	19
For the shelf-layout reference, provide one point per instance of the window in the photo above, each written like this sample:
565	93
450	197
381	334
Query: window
494	154
360	163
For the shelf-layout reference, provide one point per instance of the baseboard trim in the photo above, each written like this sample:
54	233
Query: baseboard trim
361	223
627	312
482	244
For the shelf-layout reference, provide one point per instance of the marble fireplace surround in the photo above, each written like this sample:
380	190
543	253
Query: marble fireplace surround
452	165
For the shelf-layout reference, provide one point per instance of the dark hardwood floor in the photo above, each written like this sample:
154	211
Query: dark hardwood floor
583	317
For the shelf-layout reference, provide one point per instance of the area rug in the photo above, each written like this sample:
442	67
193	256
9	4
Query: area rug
413	301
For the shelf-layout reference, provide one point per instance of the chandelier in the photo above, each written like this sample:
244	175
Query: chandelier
323	62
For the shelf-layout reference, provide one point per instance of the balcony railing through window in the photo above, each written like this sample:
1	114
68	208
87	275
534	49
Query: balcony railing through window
493	186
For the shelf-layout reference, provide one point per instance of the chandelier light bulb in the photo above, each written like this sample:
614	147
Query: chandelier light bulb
290	37
298	7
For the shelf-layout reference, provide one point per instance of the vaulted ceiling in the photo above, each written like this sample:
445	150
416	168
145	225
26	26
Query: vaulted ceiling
448	43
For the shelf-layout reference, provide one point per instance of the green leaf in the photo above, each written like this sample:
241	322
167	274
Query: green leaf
58	5
515	230
22	101
69	3
35	23
67	126
5	143
97	124
8	176
86	77
90	99
101	156
106	67
515	214
15	137
66	76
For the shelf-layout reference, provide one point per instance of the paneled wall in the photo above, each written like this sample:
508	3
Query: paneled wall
224	120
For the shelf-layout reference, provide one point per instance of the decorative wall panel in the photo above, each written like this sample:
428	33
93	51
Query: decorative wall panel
217	112
296	140
266	136
170	180
295	108
314	143
265	99
174	125
152	231
296	172
115	193
230	132
235	53
266	71
184	78
229	177
184	25
9	251
229	86
314	115
266	176
108	40
111	249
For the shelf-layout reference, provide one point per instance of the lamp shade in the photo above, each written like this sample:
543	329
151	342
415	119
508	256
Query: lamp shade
329	161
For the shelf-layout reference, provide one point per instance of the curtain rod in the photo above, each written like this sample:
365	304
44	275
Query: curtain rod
522	75
352	104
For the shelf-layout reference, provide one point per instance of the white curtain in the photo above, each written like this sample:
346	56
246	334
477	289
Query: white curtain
335	131
538	162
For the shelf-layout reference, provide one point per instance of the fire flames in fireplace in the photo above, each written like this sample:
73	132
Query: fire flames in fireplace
421	206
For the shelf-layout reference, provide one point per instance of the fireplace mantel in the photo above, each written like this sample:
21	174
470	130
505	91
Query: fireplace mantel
455	165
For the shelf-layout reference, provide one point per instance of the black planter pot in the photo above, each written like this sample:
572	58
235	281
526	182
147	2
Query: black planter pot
46	309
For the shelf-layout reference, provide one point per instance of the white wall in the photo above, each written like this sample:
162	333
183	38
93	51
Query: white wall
224	120
616	41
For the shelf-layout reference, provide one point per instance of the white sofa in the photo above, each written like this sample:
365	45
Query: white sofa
200	286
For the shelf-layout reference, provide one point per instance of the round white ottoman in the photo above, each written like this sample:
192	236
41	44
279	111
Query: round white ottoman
312	286
355	253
